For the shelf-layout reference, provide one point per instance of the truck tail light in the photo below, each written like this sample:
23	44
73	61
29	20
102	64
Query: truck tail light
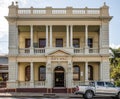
77	88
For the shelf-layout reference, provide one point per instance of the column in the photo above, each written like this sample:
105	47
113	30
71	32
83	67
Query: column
17	72
100	39
50	35
17	40
71	36
101	72
31	72
86	40
86	71
46	35
31	36
67	36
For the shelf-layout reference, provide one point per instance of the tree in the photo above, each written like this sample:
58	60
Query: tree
115	55
115	66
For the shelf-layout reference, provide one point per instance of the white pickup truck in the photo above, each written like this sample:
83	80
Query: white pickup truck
98	88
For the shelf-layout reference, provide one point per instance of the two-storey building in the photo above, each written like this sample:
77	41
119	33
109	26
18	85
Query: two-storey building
57	48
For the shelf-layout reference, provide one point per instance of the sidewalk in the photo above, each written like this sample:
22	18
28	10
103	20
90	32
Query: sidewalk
46	95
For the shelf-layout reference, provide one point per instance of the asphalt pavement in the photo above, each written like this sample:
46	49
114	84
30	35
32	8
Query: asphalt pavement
25	95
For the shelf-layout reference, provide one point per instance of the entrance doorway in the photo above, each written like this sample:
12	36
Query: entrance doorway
59	76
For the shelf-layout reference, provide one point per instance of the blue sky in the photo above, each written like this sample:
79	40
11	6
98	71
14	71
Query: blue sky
114	7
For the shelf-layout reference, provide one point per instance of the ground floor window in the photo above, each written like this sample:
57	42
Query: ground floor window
27	73
42	73
76	72
90	72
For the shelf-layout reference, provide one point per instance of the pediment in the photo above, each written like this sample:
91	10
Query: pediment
59	53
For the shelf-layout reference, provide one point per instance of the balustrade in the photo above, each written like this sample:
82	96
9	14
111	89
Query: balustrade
55	11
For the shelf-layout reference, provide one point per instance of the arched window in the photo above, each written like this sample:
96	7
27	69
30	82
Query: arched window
76	72
90	72
27	73
42	73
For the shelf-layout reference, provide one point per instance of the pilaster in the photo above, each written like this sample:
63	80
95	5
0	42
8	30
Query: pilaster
69	75
48	75
13	39
104	40
105	71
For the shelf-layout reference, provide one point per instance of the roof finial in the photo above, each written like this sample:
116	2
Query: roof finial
104	3
12	3
16	2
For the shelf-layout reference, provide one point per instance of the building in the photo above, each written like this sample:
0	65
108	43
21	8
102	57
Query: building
54	48
3	67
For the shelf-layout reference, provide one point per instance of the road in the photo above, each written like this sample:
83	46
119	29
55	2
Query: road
50	98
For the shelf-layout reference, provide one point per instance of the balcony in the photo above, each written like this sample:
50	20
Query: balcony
43	51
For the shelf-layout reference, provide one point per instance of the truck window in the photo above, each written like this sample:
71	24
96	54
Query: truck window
100	83
109	84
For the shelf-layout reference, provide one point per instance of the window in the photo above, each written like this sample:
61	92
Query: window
42	73
27	73
59	42
42	43
76	42
90	42
90	72
27	43
109	84
100	84
76	72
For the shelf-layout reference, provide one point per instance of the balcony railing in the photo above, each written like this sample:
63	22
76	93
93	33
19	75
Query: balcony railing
79	50
27	84
58	11
24	84
39	84
14	10
37	51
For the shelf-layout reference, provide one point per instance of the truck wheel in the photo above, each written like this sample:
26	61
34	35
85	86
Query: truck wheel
88	94
118	95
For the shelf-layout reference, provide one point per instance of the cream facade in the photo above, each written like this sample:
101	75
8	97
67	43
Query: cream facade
61	47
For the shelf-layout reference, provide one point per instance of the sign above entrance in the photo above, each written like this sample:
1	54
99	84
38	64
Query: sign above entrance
59	58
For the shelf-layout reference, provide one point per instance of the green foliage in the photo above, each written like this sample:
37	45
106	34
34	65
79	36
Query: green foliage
115	66
1	79
117	83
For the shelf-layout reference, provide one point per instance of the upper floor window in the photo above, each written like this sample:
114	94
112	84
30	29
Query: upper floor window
59	42
27	43
76	72
42	43
27	73
76	42
90	42
90	72
42	73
